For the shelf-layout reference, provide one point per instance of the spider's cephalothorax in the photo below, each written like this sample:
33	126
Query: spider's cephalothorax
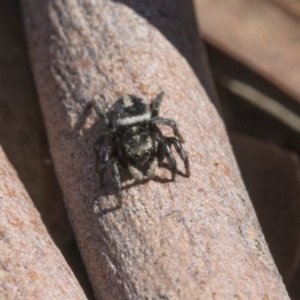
133	140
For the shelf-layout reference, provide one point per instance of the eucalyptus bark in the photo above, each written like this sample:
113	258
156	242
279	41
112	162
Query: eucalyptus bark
195	238
31	266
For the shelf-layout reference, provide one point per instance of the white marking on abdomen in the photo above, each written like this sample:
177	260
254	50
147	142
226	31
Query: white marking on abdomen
127	101
133	119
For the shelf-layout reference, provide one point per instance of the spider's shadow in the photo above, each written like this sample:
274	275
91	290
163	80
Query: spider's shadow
155	178
125	176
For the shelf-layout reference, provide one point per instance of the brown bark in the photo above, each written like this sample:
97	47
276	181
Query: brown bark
272	179
195	238
262	34
31	265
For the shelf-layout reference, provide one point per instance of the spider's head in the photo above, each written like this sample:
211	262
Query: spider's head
137	144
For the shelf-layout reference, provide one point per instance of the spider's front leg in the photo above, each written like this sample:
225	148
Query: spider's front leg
117	180
104	153
165	151
181	152
136	174
168	122
100	113
156	104
152	168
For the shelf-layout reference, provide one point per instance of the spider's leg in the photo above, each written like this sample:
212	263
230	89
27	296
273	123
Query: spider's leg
165	151
171	123
181	152
103	153
100	113
156	104
117	180
152	168
136	174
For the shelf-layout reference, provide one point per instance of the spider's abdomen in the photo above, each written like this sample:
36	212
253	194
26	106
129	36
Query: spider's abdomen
129	110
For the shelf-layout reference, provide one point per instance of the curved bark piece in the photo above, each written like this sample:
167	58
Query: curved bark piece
195	238
31	265
23	137
272	178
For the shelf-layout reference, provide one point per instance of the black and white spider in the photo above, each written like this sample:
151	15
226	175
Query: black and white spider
134	141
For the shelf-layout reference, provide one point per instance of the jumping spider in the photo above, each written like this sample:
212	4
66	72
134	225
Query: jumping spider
133	140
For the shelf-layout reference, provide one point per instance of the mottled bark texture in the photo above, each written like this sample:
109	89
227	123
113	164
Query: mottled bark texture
23	136
31	267
195	238
22	131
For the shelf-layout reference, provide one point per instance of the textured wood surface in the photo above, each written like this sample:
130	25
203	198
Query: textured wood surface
195	238
24	140
31	267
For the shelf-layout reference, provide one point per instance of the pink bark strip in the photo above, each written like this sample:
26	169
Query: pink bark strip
31	267
195	238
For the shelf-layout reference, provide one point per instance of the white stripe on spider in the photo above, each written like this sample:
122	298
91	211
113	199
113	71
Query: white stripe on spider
133	120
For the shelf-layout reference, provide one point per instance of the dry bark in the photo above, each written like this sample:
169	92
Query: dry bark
195	238
23	136
31	265
22	132
272	179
